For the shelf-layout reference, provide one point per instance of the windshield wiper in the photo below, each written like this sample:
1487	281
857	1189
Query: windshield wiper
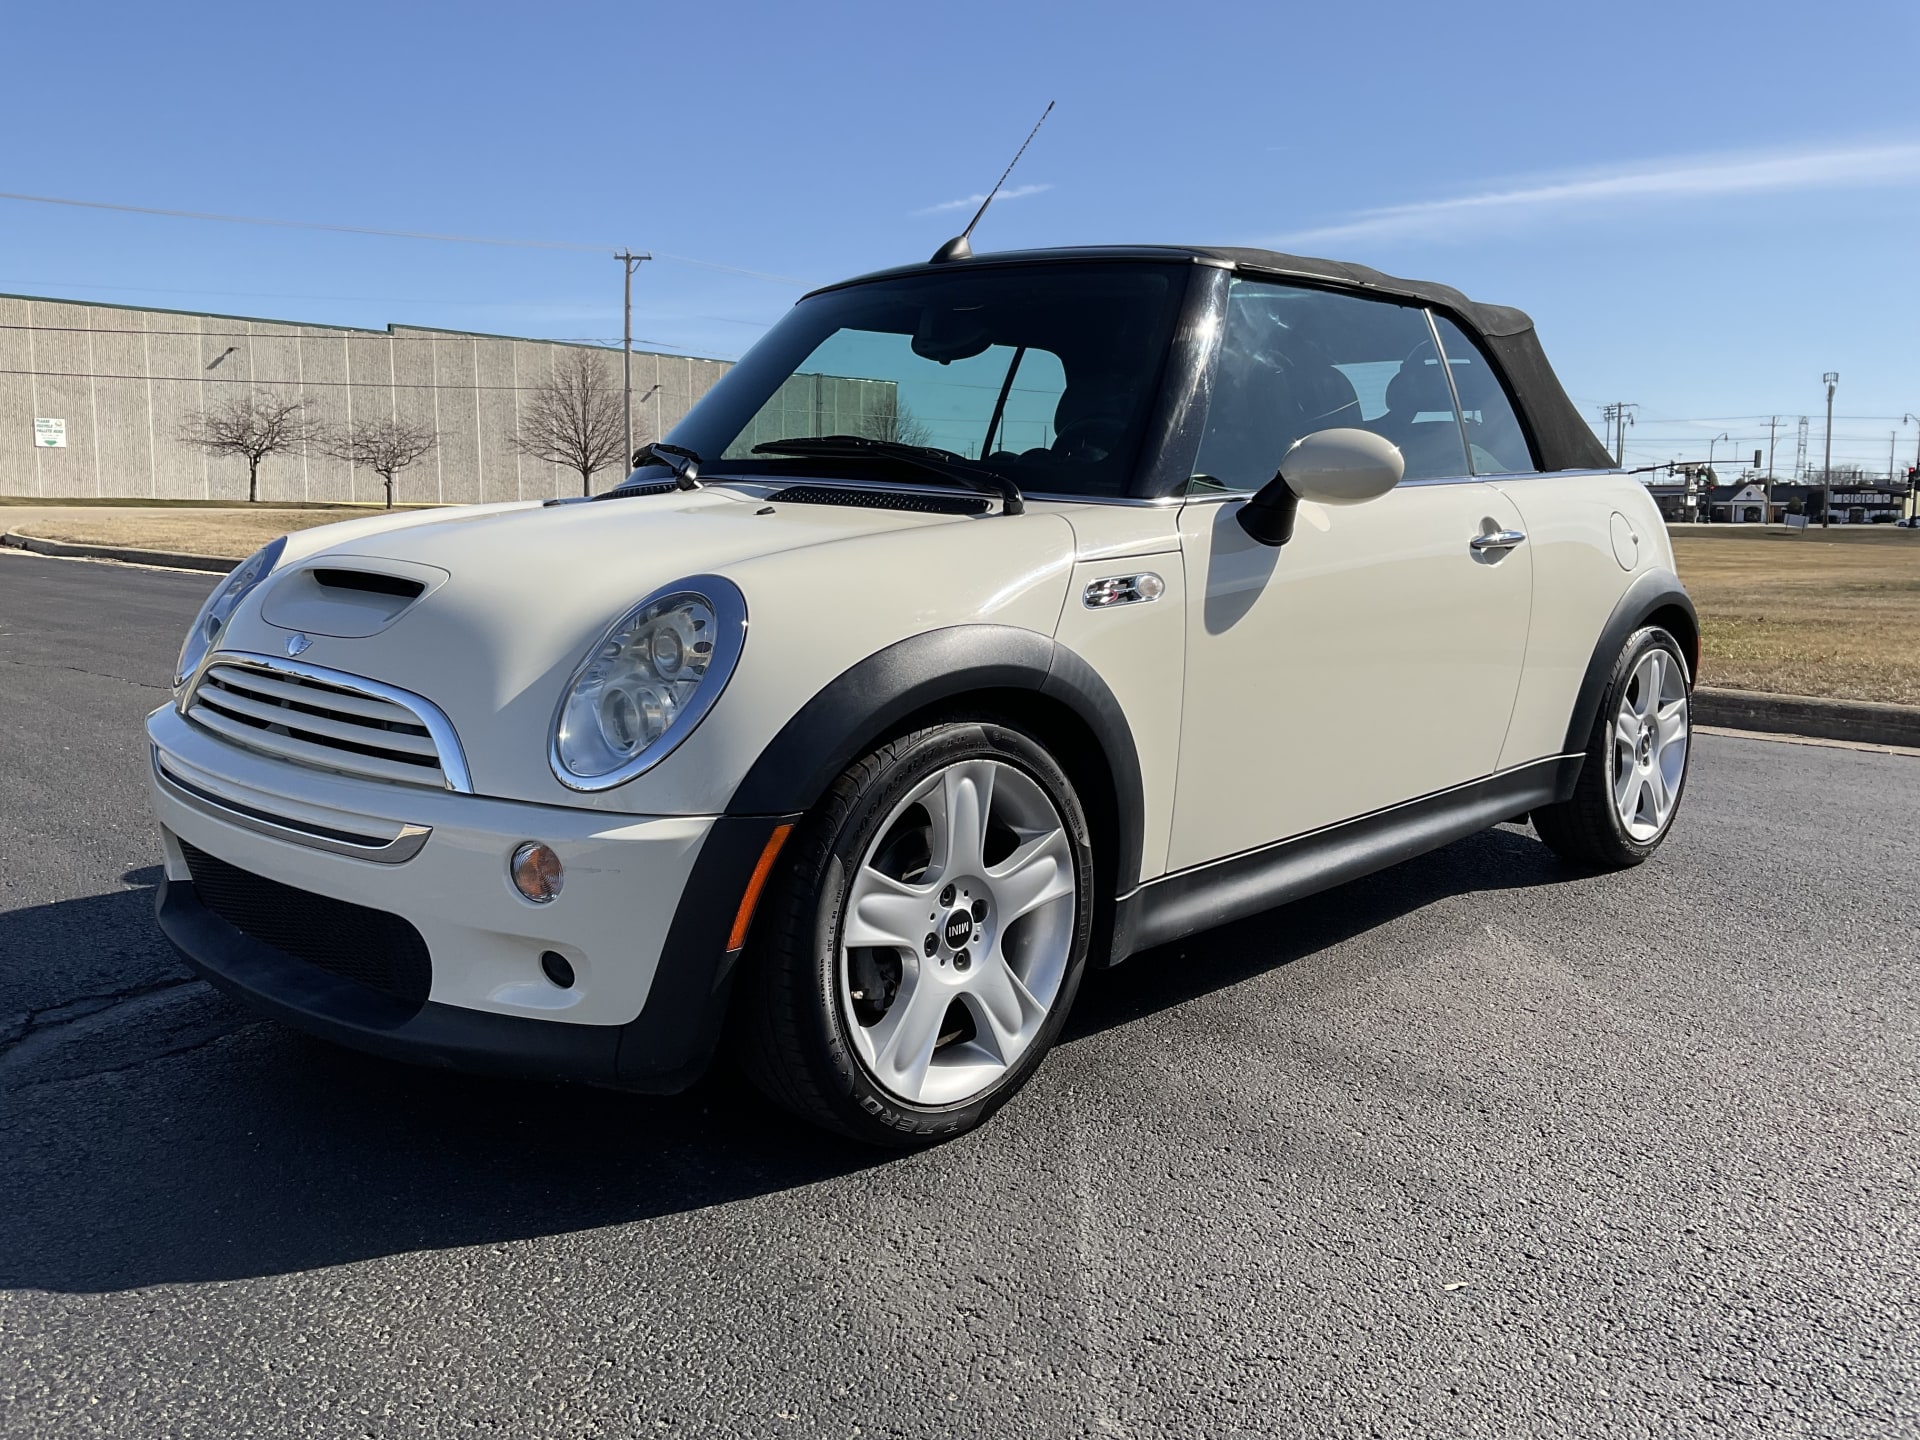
927	458
684	463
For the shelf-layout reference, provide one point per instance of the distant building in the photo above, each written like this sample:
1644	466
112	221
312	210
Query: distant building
1693	495
1744	504
1868	504
92	398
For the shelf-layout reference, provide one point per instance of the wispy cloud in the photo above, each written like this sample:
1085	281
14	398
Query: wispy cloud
1692	178
971	202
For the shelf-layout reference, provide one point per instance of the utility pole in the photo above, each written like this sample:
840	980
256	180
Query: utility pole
1617	417
1831	380
1913	485
1800	451
1773	424
630	262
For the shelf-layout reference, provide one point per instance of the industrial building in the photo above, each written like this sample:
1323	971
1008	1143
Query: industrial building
93	399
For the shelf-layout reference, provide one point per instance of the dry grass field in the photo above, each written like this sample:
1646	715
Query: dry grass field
232	534
1802	615
1781	612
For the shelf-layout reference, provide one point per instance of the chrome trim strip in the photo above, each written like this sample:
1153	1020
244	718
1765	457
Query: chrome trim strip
730	618
453	759
397	851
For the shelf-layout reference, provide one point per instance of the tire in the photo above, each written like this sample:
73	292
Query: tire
1636	761
918	1035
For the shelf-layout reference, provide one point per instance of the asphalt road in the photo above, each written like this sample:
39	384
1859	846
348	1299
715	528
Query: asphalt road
1472	1148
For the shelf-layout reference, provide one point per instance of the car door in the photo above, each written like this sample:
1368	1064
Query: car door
1376	656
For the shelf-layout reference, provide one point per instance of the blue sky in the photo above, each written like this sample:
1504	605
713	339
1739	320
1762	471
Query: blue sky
1703	206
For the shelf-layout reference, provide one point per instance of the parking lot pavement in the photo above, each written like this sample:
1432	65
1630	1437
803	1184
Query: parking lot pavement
1475	1147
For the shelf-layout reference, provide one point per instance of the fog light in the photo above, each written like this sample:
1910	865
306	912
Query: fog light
557	968
537	873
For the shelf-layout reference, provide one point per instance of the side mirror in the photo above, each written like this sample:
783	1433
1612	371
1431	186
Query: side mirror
1328	467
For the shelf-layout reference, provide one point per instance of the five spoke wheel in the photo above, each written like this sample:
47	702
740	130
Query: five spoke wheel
958	930
1649	745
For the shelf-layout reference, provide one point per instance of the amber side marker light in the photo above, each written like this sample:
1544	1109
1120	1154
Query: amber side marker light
763	867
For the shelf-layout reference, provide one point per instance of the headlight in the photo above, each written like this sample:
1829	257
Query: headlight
647	682
220	606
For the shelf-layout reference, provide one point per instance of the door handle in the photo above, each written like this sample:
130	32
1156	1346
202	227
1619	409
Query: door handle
1498	540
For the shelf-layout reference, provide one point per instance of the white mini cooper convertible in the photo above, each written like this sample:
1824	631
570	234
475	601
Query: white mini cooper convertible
992	618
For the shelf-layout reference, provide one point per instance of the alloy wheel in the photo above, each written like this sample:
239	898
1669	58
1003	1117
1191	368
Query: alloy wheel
957	932
1650	734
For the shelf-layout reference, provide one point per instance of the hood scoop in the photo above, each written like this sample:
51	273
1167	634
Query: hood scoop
348	596
370	582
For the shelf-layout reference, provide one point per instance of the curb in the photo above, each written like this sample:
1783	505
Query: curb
1866	721
63	550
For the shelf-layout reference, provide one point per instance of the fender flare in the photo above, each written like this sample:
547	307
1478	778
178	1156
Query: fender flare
851	713
1646	597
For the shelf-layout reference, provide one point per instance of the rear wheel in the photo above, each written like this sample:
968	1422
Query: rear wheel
1636	761
927	940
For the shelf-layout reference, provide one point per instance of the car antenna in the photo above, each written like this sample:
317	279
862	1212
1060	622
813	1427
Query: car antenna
958	248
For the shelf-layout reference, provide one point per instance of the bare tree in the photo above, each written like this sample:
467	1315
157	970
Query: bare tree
576	419
385	446
250	424
902	427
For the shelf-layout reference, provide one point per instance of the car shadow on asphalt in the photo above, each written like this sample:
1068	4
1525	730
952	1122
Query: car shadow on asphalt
173	1137
1506	858
182	1140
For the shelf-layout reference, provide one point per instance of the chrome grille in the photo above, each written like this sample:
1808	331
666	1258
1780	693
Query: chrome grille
330	721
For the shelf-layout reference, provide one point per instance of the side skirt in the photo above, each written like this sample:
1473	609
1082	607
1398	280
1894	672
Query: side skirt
1174	906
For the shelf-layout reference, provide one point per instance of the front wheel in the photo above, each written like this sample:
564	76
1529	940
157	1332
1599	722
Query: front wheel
927	939
1636	761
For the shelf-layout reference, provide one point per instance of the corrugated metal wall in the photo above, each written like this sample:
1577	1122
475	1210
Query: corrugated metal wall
125	381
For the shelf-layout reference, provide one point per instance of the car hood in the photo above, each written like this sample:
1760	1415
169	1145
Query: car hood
513	595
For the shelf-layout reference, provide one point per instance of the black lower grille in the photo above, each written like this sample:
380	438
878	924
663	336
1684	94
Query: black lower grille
369	947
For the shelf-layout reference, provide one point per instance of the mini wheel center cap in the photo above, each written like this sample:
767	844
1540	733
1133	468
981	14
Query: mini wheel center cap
958	930
1646	745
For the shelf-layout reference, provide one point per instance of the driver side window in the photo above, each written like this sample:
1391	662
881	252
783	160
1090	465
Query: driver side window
1294	360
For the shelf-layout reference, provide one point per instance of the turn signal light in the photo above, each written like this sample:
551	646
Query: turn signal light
537	872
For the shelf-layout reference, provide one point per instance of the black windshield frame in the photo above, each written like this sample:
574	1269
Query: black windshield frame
1165	368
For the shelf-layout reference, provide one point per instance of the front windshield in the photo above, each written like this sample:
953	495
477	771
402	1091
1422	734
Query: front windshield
1043	374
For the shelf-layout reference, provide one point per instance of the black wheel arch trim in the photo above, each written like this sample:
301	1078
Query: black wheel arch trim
854	711
1646	597
672	1041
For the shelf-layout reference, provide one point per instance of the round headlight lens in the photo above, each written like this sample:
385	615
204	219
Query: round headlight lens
221	604
653	674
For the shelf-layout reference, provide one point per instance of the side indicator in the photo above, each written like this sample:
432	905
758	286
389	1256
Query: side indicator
1122	590
762	868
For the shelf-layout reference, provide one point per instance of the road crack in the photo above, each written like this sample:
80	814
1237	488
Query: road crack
82	670
101	1034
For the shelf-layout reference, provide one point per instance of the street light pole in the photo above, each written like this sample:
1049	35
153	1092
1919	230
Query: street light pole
1773	424
1913	486
1831	379
630	262
1713	478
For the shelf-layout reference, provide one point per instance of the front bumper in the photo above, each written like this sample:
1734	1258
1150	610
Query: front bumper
643	919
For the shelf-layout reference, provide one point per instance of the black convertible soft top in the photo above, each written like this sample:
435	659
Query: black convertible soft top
1561	437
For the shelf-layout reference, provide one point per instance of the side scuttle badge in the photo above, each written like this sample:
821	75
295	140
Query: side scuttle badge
1122	590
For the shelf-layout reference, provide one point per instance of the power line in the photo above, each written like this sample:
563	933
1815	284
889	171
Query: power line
381	384
567	245
335	332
